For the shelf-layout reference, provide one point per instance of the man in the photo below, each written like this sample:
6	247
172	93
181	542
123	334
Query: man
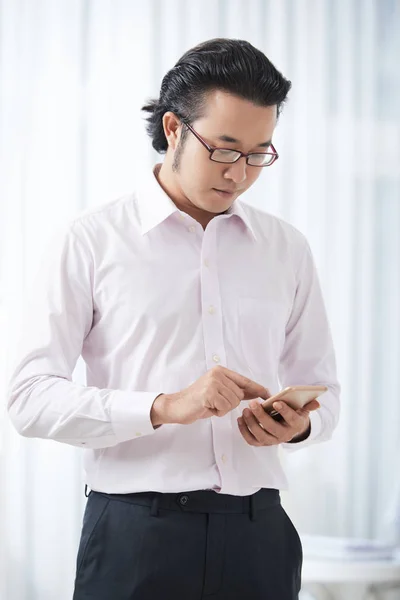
188	308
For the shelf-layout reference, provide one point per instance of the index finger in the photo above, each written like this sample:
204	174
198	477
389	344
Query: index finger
250	388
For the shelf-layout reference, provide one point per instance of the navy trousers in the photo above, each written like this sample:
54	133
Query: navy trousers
193	546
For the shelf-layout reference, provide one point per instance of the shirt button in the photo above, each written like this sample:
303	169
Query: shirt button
211	310
181	216
138	434
216	358
224	458
184	500
192	229
206	263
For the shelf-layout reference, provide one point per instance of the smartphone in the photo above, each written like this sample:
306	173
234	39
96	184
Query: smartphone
296	396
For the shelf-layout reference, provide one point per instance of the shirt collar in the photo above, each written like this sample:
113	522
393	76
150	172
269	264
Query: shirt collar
155	206
238	209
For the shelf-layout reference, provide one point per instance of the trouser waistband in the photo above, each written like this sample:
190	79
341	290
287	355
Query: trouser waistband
201	501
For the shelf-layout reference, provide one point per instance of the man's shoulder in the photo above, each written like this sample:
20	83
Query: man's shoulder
98	225
109	212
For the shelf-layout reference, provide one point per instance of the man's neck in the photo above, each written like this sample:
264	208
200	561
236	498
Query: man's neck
180	202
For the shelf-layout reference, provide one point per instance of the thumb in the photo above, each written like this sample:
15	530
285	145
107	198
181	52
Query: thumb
310	406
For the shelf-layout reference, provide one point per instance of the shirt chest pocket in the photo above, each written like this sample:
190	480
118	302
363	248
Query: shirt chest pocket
261	325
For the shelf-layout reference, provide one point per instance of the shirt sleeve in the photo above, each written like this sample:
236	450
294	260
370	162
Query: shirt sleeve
308	356
43	401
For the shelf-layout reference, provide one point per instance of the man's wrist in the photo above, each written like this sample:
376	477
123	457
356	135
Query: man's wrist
301	437
158	413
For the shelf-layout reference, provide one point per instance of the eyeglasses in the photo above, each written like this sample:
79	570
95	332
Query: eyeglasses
226	155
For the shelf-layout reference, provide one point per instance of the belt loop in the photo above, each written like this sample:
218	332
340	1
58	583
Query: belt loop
86	489
154	506
252	511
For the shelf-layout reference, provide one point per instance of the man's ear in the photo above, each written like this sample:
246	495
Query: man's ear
172	129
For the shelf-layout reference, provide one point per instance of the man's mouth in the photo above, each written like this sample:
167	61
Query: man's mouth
226	193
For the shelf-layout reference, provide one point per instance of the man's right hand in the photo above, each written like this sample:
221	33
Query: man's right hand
215	393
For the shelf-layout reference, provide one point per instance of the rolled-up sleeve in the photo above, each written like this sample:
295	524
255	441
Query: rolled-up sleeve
43	401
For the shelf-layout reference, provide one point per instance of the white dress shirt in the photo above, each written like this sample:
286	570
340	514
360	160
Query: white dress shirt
152	301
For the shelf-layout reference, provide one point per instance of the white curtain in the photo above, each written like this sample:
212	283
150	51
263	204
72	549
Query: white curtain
73	76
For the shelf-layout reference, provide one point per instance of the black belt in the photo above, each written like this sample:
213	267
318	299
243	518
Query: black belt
201	501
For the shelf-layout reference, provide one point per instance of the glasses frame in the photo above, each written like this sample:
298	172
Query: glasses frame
211	149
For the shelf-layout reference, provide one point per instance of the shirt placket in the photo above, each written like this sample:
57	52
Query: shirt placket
211	314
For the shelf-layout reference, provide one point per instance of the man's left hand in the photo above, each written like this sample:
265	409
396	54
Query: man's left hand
259	429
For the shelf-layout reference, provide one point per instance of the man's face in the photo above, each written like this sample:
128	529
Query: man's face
228	118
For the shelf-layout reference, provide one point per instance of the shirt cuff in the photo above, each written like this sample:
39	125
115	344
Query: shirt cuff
316	425
130	414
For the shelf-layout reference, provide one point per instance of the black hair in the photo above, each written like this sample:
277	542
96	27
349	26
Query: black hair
234	66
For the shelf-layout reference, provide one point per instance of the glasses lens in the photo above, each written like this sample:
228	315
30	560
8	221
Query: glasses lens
261	160
225	156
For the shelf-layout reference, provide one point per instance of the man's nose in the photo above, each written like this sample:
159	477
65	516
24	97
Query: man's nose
237	171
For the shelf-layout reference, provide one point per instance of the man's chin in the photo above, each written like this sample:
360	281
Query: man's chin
212	203
214	210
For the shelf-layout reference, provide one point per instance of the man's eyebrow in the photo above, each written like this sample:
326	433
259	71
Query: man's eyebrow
231	140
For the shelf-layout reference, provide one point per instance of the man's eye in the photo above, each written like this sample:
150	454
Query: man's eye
223	152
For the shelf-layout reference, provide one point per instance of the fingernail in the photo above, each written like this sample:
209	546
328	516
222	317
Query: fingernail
253	404
278	405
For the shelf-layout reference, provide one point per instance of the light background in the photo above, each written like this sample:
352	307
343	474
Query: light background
73	76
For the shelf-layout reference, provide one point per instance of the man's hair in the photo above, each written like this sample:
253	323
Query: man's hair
233	66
